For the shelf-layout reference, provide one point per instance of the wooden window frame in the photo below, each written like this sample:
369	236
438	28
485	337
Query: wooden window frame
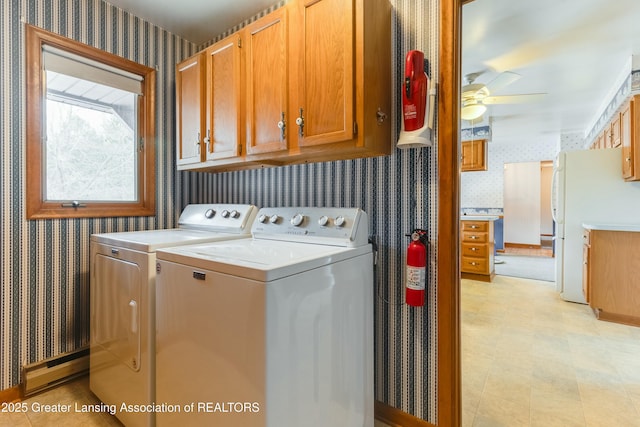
36	206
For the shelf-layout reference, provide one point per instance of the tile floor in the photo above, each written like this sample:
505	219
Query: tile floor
72	393
531	359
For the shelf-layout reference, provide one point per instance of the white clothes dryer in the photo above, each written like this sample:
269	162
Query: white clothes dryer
272	331
122	303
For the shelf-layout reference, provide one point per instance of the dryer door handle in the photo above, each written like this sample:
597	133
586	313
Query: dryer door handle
133	305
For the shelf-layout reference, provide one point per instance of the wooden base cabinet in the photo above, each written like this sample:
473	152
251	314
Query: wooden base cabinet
612	279
477	250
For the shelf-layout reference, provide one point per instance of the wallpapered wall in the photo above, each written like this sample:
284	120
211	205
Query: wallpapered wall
45	264
484	189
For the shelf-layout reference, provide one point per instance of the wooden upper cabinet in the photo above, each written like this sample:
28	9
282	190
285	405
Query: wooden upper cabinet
627	141
474	155
224	138
323	92
266	60
190	101
308	82
340	91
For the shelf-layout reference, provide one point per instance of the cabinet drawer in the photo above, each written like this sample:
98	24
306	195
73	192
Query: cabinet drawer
474	265
474	250
474	237
475	225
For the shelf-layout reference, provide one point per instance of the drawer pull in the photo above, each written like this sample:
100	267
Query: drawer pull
473	237
474	226
474	249
474	263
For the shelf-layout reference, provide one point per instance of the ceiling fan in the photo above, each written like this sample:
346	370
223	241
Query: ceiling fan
476	96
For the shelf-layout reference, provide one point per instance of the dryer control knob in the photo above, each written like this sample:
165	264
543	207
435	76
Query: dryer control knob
235	214
323	221
297	220
339	221
210	213
225	213
273	219
262	218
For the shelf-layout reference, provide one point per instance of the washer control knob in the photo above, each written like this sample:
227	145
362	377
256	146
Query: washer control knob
297	220
262	218
225	214
339	221
273	219
235	214
210	213
323	221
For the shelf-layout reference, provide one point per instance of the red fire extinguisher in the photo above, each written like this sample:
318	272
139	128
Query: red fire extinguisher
414	95
416	268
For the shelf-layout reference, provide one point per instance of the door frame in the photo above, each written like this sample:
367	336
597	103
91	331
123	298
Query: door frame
448	255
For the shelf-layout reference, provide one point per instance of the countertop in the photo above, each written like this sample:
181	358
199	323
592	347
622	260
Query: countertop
613	227
479	217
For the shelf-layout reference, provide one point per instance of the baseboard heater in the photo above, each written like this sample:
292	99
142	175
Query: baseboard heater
40	376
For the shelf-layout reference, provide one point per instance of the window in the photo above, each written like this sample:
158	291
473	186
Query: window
90	131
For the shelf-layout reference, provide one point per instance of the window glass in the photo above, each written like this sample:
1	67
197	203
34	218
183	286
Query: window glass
91	150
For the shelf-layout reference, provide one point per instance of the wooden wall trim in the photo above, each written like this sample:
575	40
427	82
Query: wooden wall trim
449	399
396	418
10	395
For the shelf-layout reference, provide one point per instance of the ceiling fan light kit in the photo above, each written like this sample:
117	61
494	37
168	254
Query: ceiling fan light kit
472	110
476	96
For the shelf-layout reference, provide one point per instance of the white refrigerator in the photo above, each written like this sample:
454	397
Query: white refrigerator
587	188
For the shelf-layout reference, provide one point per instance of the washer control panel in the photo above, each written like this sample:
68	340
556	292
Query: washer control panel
331	226
228	218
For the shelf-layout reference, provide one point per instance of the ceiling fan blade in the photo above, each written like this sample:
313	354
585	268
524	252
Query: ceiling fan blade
502	80
514	99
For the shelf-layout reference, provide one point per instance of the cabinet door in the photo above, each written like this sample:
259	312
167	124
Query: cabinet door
323	51
585	273
474	156
189	110
223	98
614	130
626	140
266	60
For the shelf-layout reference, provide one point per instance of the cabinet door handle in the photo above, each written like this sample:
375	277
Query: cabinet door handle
198	142
207	139
282	125
300	123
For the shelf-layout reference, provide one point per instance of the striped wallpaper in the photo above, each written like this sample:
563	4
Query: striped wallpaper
45	264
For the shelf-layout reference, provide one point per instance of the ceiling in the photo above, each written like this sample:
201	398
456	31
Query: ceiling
572	50
197	21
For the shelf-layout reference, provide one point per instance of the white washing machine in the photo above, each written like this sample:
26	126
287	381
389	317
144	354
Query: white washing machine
122	302
272	331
